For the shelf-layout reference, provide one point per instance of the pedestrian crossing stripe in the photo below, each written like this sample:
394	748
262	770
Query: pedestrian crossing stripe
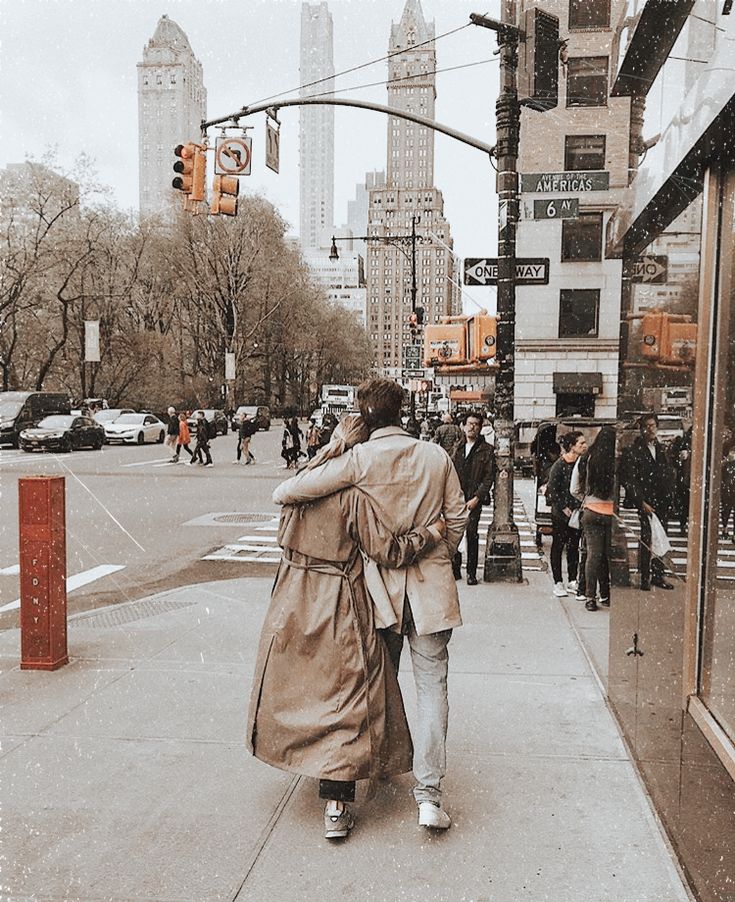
259	545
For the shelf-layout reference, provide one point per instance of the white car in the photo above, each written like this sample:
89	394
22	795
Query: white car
135	429
110	413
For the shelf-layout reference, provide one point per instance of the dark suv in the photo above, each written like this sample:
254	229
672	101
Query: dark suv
20	410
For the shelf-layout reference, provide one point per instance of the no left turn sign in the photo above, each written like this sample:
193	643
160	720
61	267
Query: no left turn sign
233	156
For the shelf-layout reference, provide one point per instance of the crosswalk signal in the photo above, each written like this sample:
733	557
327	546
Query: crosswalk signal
413	322
538	66
225	189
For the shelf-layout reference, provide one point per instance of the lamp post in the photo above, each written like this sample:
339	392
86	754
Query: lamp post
402	242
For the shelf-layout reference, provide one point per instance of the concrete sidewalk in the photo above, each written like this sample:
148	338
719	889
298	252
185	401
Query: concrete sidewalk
124	775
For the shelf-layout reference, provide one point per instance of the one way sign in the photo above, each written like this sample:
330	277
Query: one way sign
484	271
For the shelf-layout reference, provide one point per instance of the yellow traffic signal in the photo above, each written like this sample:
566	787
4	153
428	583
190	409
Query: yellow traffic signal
669	338
184	167
225	189
445	344
483	337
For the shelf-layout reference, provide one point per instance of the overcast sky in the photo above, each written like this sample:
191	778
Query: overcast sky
68	80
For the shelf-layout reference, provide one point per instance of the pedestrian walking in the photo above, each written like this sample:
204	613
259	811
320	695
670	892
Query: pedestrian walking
312	439
411	483
474	461
565	531
325	700
245	431
413	427
183	438
201	449
289	451
448	434
172	433
598	510
649	486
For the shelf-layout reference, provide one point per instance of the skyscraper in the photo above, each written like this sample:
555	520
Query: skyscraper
172	101
316	126
409	192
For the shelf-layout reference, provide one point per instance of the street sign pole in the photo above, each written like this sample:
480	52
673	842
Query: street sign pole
503	549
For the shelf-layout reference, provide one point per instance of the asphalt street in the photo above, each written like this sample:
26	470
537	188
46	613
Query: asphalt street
129	513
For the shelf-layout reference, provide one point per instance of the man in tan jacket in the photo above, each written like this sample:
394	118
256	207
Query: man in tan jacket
411	483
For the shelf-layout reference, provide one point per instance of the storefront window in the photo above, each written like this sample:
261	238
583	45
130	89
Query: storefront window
717	662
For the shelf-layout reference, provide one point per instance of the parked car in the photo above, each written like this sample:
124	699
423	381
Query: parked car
259	413
20	410
109	414
216	419
135	429
63	432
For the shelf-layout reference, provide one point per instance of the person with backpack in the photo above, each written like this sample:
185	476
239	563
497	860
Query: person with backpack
202	446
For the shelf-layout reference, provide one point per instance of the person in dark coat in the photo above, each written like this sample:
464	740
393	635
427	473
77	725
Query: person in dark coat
474	461
649	486
246	430
563	504
201	448
681	458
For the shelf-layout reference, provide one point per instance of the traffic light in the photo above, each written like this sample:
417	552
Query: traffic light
224	195
668	339
413	322
419	311
184	167
483	337
538	64
191	169
445	344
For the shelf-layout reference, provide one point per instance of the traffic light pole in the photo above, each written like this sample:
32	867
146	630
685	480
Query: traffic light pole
503	550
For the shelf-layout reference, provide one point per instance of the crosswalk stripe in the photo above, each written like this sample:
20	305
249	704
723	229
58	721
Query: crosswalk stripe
75	582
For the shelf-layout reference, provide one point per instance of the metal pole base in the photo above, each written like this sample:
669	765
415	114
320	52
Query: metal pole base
503	561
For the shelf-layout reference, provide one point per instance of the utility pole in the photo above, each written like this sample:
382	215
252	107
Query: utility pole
503	549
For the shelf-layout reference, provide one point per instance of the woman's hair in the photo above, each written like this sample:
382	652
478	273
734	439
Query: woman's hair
380	402
601	464
569	440
349	432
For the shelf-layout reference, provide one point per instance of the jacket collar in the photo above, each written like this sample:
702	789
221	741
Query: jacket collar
387	430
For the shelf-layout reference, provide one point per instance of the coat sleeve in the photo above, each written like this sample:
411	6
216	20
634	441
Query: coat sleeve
377	541
487	476
454	510
554	493
332	476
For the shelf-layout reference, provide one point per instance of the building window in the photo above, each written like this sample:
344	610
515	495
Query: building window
587	81
578	312
584	152
581	239
589	14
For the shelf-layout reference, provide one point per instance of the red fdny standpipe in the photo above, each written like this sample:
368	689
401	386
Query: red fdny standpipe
42	501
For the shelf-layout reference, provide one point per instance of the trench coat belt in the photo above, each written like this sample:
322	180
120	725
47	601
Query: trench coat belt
343	572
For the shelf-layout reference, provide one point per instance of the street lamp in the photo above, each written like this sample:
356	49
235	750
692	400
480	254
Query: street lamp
401	242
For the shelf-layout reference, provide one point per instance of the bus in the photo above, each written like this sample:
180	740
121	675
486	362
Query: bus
337	399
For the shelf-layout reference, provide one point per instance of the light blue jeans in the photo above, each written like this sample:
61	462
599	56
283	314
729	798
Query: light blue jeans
430	660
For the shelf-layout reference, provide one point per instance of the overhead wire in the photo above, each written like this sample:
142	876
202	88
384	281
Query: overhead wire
374	62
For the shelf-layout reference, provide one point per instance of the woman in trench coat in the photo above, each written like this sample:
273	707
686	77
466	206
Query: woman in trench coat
325	701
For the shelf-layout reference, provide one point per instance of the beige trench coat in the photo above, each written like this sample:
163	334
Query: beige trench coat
325	701
410	483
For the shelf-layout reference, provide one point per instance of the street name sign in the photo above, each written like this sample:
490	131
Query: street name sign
233	156
652	269
561	182
413	374
484	271
556	208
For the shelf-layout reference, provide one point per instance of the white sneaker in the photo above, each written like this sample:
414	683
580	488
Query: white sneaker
580	597
559	590
572	586
433	816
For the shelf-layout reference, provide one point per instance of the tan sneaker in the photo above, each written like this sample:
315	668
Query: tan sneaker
339	824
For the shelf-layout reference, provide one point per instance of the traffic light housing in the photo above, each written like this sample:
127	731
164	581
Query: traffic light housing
668	339
419	311
538	64
445	344
483	337
225	189
191	170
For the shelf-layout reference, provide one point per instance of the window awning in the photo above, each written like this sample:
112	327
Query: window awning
577	383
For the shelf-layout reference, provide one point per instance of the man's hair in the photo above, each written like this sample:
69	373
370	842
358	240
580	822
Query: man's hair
645	418
447	418
569	440
380	402
473	414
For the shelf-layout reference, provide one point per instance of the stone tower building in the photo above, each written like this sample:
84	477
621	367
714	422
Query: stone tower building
316	127
409	192
172	101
